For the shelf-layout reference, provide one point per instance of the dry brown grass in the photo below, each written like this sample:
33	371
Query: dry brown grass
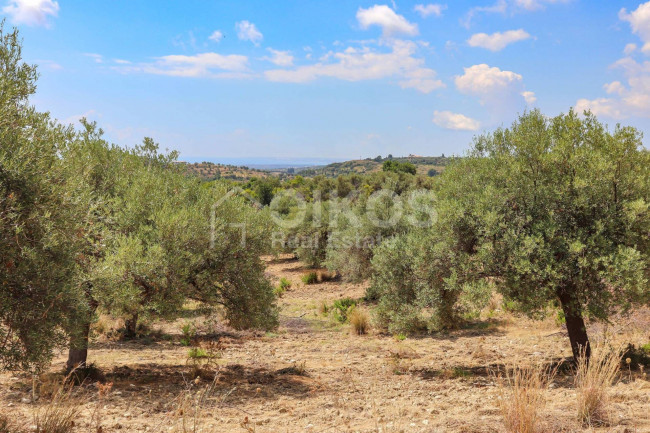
359	320
522	397
191	411
59	414
593	379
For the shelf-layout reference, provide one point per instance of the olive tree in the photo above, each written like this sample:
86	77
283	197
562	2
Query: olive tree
558	209
163	241
39	231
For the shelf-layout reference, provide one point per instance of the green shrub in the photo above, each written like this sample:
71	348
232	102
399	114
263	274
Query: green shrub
342	307
284	284
279	291
189	333
310	278
197	353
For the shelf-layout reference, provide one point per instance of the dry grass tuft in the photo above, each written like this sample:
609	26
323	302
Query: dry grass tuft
324	276
9	426
59	414
191	409
522	397
593	379
359	320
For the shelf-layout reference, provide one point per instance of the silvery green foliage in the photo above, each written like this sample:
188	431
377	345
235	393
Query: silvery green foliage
39	230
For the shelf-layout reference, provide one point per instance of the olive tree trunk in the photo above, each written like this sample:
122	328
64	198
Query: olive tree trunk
575	325
78	353
131	327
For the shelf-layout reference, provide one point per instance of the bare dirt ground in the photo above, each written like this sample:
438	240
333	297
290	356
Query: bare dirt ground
314	375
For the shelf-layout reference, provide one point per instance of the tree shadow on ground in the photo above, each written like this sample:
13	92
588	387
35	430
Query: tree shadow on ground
230	384
286	258
490	327
563	368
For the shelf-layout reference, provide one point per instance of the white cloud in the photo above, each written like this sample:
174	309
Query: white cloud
639	20
533	5
483	80
497	41
615	87
357	64
529	97
121	62
384	17
456	121
210	65
216	36
246	31
31	12
280	58
629	49
630	99
430	9
501	91
98	58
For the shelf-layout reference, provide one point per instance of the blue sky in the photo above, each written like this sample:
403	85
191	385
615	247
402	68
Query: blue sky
333	80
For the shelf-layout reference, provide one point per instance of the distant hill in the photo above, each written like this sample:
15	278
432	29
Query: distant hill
424	165
211	171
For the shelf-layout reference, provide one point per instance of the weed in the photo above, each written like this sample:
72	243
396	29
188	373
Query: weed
59	414
310	278
284	284
522	397
359	320
342	307
593	378
323	308
189	334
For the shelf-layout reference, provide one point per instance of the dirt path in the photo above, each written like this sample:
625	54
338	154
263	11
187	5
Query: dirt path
313	375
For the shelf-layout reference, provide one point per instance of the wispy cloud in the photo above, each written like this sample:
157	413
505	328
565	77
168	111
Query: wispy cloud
357	64
501	6
279	58
429	9
247	31
98	58
209	65
497	41
216	36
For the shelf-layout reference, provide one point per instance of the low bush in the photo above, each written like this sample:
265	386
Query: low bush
310	278
342	307
284	284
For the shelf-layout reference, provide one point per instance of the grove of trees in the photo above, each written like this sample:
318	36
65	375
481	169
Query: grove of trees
87	226
552	213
